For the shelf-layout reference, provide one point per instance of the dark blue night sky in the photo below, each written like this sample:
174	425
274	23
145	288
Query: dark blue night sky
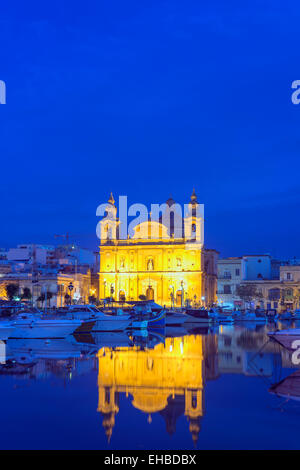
147	99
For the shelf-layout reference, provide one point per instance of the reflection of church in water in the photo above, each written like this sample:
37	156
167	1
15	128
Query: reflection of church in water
168	379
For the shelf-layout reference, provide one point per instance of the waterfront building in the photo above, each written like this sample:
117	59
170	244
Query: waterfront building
54	283
235	270
282	293
231	271
155	262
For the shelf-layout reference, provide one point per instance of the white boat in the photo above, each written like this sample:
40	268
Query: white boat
286	337
175	318
103	321
27	325
28	350
6	330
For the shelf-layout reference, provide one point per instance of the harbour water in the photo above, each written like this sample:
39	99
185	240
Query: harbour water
228	387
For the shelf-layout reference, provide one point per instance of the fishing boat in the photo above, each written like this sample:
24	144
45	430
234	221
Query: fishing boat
286	338
197	316
151	312
175	318
108	321
221	315
288	315
28	325
139	324
249	317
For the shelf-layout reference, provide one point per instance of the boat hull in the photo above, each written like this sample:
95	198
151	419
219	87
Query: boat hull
115	324
175	319
285	339
6	331
44	329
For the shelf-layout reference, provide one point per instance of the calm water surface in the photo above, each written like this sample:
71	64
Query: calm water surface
226	388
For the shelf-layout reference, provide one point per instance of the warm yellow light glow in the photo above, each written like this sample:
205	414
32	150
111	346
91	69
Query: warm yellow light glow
153	376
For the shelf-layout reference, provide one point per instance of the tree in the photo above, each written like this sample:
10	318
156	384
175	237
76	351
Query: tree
248	292
67	299
42	297
12	290
26	294
92	299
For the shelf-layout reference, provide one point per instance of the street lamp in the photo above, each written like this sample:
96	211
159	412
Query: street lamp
70	287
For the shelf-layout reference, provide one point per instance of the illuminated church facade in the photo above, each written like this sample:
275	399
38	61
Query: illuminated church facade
157	261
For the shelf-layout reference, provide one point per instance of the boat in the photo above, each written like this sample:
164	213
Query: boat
271	314
139	324
6	330
221	315
28	325
175	318
296	315
285	316
286	338
288	388
28	350
198	316
108	321
151	312
250	316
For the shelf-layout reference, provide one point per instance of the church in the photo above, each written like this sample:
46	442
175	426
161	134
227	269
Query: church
157	261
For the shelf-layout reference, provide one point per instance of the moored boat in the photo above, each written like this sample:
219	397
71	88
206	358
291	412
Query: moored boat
175	318
6	330
109	321
27	325
287	338
197	316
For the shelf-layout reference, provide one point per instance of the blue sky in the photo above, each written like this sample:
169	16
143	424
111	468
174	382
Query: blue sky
148	99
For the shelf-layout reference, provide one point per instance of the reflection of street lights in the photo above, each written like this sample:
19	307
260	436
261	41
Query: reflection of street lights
182	294
112	290
172	295
61	294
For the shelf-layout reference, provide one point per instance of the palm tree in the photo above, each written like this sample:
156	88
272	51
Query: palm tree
26	294
11	290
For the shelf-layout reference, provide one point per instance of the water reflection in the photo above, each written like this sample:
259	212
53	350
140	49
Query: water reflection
168	379
157	375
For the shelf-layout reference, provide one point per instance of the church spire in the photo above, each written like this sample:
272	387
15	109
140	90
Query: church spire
111	199
194	197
